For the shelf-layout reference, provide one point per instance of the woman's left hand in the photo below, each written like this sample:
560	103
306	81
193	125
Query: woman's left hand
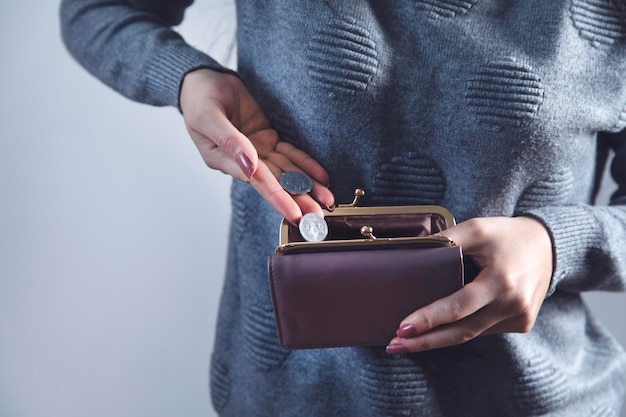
515	257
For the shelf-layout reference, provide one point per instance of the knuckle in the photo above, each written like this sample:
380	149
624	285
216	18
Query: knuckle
526	328
274	193
465	335
518	304
454	309
478	229
507	285
227	142
526	323
282	147
423	322
423	344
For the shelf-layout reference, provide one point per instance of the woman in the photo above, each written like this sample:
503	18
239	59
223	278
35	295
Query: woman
503	112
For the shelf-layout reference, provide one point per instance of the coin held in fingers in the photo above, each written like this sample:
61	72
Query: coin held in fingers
295	182
313	227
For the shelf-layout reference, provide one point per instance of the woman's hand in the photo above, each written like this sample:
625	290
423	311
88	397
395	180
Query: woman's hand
234	136
515	257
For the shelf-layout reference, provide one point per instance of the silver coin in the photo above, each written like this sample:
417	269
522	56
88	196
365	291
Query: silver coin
313	227
295	182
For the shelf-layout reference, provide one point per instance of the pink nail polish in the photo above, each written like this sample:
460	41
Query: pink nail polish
397	349
245	164
406	332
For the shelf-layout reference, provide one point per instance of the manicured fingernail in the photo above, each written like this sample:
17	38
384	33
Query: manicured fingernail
245	164
397	349
406	332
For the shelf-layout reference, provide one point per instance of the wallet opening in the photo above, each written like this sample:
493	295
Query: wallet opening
386	225
345	223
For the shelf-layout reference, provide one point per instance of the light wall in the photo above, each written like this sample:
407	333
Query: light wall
112	236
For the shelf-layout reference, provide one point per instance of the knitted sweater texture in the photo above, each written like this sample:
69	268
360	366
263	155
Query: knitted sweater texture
488	108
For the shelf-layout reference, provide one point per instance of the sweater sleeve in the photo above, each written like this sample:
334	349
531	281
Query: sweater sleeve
589	242
130	45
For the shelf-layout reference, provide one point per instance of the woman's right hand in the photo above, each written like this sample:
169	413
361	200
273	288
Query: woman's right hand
234	136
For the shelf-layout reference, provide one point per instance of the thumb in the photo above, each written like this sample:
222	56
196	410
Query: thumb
232	143
207	99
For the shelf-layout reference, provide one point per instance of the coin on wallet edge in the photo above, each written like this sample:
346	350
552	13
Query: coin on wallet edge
313	227
295	182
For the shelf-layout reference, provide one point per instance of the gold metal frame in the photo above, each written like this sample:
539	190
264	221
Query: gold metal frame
380	243
352	210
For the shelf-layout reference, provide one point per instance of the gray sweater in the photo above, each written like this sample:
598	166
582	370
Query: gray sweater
484	107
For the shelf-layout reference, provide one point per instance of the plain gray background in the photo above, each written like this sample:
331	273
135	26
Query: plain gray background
112	236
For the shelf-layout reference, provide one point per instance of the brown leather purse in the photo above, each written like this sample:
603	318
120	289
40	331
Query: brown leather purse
376	266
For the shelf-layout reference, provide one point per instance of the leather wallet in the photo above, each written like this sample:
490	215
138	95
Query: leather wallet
376	266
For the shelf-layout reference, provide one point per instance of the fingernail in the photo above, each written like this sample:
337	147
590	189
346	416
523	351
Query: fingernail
397	349
245	164
406	332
